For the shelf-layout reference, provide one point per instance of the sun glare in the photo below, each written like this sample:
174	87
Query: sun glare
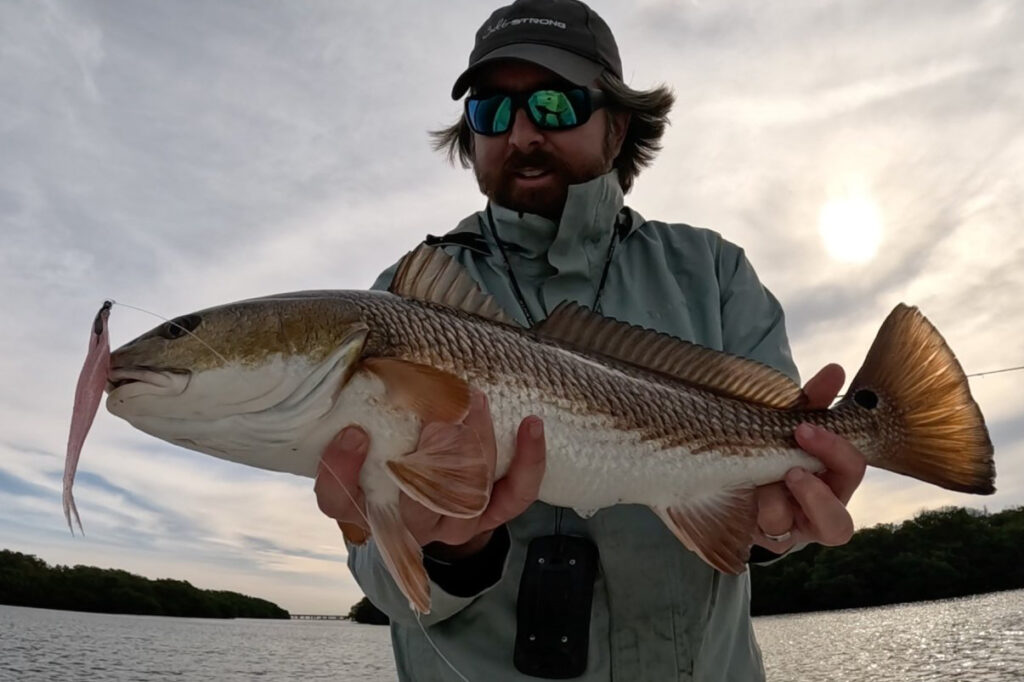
851	227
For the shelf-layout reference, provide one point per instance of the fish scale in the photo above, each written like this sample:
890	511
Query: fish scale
631	400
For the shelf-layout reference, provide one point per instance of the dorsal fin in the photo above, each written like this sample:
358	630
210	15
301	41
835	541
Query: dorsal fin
721	373
429	274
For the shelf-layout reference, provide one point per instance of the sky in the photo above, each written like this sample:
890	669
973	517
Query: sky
174	156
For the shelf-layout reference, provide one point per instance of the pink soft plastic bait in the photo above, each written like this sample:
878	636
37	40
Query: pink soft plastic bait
91	383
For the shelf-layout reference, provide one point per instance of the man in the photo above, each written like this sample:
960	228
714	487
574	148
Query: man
555	139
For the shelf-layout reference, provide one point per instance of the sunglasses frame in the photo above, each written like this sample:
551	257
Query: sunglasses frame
593	98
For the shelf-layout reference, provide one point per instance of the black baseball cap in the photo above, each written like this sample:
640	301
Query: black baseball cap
564	36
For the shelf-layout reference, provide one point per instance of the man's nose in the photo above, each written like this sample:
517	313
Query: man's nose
524	134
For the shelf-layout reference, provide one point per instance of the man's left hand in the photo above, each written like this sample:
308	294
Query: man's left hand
809	507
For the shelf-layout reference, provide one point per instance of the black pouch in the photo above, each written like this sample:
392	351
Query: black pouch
553	611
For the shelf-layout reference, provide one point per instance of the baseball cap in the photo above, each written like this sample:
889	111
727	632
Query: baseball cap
564	36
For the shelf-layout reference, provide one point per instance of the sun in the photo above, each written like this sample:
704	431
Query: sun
851	227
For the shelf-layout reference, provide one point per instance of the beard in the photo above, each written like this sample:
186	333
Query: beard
501	185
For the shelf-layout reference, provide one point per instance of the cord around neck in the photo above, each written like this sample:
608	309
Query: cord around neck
617	234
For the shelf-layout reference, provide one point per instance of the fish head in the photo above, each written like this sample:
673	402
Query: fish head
234	379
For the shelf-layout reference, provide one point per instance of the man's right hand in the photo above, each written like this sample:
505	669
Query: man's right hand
449	538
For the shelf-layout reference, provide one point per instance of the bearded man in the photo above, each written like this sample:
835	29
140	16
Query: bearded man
556	138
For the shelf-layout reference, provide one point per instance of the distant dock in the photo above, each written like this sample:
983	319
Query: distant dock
315	616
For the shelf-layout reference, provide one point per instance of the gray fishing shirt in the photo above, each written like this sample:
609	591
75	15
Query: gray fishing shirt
659	612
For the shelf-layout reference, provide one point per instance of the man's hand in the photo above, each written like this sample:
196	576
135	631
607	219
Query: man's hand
812	508
448	538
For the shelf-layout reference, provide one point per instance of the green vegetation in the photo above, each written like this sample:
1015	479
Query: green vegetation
949	552
28	581
364	611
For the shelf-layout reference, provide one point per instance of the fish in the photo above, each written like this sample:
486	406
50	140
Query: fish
632	416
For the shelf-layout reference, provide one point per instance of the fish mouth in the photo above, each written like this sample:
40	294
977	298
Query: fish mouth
129	382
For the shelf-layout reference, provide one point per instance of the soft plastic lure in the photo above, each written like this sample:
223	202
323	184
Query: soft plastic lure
91	383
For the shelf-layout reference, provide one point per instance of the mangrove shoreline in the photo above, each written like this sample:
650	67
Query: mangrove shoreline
26	580
939	554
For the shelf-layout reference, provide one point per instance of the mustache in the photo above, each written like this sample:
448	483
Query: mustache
536	159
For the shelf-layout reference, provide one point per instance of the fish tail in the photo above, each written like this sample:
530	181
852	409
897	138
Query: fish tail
933	430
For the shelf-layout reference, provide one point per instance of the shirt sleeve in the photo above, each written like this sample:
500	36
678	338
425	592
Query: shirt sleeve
753	324
383	280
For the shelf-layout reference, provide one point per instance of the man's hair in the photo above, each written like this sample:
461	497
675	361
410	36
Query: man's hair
648	115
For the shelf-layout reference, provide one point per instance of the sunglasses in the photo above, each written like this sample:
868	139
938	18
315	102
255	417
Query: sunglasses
549	109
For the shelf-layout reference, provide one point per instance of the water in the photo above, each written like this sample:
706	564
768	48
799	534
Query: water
974	639
38	645
977	639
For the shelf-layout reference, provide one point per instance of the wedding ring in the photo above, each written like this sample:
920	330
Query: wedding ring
778	538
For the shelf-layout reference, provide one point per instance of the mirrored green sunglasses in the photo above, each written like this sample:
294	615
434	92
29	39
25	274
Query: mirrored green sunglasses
548	109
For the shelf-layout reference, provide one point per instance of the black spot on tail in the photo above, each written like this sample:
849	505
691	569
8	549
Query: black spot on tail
866	398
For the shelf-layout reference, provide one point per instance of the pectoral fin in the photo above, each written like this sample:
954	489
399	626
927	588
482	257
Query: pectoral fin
401	553
434	395
717	528
447	472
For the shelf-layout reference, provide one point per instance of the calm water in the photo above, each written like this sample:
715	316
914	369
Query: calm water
978	638
974	638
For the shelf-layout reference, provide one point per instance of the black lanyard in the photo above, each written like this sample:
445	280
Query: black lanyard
620	222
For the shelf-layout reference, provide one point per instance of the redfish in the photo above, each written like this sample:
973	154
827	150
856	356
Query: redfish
631	416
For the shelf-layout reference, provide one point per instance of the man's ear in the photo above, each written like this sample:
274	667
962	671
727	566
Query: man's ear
618	124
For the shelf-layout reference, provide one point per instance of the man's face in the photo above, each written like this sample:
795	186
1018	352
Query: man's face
528	169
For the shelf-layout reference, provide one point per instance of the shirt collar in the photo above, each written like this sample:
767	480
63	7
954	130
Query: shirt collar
589	216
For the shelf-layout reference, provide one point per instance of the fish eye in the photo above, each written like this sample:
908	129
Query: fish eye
866	398
179	326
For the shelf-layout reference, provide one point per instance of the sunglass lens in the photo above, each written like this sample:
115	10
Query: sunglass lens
491	115
553	109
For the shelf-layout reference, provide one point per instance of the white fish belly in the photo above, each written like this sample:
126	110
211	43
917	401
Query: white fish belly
393	432
591	464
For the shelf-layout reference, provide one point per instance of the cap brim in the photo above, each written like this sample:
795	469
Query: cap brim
569	65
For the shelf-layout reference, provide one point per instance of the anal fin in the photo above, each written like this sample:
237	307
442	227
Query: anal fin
718	528
402	555
447	472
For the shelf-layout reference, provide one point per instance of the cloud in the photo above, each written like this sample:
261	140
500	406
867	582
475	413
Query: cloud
15	486
176	156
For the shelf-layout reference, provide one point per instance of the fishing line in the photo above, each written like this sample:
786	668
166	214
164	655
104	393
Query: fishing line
997	371
418	621
347	493
438	651
976	374
161	317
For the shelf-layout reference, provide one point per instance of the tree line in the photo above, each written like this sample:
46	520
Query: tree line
26	580
366	612
939	554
